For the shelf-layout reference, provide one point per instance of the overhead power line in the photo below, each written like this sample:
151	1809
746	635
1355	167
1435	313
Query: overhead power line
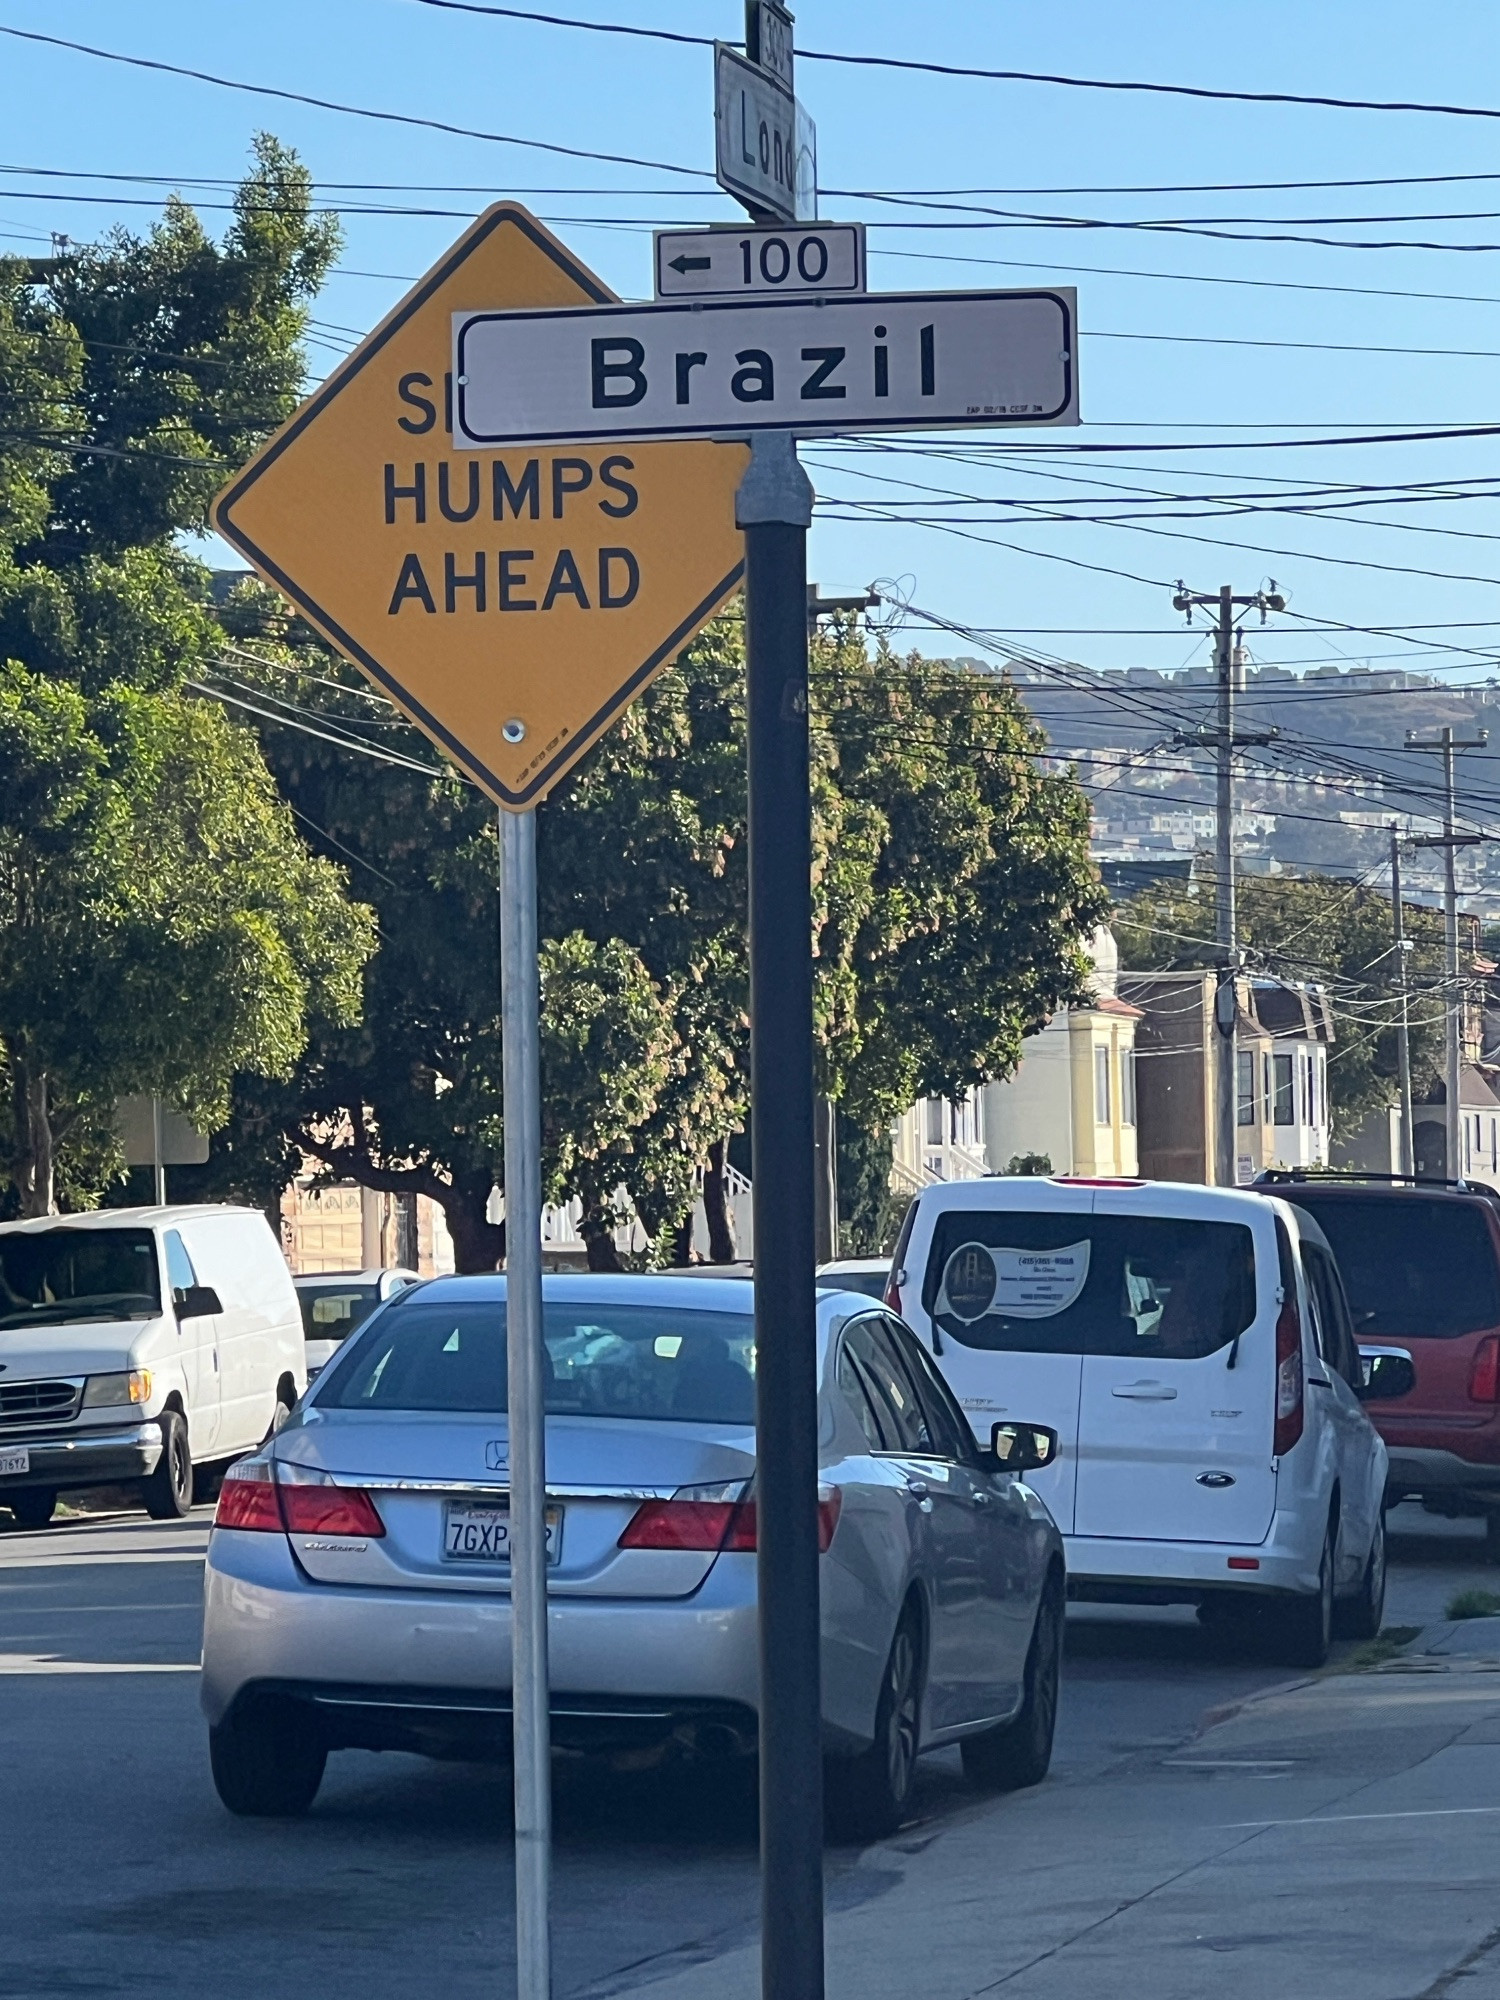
352	110
970	70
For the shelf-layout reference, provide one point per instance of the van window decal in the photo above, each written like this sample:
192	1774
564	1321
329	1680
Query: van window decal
980	1279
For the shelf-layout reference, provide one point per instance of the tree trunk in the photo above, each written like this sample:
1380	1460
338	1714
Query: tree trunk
35	1166
682	1241
478	1243
721	1244
600	1239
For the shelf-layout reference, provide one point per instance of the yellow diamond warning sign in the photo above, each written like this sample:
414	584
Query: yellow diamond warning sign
512	603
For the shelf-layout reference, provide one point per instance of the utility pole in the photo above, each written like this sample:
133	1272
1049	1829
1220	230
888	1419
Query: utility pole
1450	840
1403	1017
1226	930
825	1111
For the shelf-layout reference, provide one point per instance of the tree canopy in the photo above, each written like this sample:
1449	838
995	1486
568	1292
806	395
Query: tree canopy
952	889
1321	929
163	927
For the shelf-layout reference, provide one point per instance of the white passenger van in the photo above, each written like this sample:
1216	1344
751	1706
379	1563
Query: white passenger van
137	1344
1192	1347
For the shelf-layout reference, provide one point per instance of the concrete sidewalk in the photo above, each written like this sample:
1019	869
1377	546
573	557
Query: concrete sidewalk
1338	1837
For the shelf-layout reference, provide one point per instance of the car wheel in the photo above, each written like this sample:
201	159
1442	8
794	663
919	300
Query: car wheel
867	1796
267	1757
279	1418
168	1492
33	1507
1019	1752
1360	1616
1301	1630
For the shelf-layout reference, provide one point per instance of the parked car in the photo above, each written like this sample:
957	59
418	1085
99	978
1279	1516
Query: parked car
334	1303
1421	1264
357	1580
137	1345
870	1275
1192	1349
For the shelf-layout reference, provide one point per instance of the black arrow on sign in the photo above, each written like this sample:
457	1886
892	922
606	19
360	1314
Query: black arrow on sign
684	264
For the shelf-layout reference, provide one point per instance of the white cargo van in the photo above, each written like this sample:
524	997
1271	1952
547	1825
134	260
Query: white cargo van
138	1344
1192	1348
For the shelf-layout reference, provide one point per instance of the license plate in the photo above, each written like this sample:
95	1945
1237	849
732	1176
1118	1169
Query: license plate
479	1531
16	1460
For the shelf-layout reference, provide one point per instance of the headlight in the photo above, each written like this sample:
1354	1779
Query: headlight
134	1387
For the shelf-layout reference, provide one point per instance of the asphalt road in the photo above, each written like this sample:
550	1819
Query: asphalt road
123	1875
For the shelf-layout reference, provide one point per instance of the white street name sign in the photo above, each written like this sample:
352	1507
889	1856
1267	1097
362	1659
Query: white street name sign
723	368
766	147
702	263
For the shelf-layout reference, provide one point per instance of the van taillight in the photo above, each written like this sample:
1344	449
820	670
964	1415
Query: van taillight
1289	1404
1484	1376
893	1291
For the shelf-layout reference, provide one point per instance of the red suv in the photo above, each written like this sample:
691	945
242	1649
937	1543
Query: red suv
1421	1265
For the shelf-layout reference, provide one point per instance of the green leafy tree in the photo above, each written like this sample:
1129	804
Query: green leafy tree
951	888
1315	928
162	925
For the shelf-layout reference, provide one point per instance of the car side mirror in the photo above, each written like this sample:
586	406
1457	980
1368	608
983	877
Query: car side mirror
1022	1447
196	1301
1388	1373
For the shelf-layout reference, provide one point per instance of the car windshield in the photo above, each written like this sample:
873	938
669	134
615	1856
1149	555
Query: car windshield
1160	1287
872	1283
334	1310
602	1360
60	1276
1414	1266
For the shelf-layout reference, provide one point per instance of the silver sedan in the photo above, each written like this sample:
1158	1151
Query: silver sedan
357	1573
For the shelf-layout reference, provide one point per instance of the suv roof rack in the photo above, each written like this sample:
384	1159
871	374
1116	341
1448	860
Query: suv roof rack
1303	1176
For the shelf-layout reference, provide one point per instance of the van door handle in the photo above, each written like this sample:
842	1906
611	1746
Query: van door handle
917	1488
981	1497
1147	1392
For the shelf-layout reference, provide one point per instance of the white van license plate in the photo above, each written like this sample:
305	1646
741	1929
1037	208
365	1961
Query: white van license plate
479	1531
14	1461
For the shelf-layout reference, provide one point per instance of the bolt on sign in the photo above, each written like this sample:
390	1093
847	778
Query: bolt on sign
511	603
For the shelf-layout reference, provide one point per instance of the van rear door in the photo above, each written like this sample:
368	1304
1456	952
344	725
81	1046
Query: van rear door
1003	1270
1176	1405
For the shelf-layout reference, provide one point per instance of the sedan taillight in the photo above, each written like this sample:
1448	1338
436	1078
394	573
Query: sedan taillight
714	1525
306	1503
247	1499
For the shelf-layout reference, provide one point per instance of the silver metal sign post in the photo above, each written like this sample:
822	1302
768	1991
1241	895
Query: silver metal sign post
531	1728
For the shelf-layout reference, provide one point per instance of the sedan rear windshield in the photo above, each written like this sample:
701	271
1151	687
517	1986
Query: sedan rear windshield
1415	1266
601	1361
332	1312
60	1276
1157	1287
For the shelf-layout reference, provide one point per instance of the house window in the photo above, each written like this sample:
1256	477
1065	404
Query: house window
1101	1086
1322	1076
1265	1101
1244	1064
934	1121
1127	1086
1284	1092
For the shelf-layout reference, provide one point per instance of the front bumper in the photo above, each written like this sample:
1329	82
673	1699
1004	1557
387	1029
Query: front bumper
84	1458
1104	1570
434	1663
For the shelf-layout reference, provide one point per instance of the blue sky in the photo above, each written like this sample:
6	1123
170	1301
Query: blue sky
893	131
